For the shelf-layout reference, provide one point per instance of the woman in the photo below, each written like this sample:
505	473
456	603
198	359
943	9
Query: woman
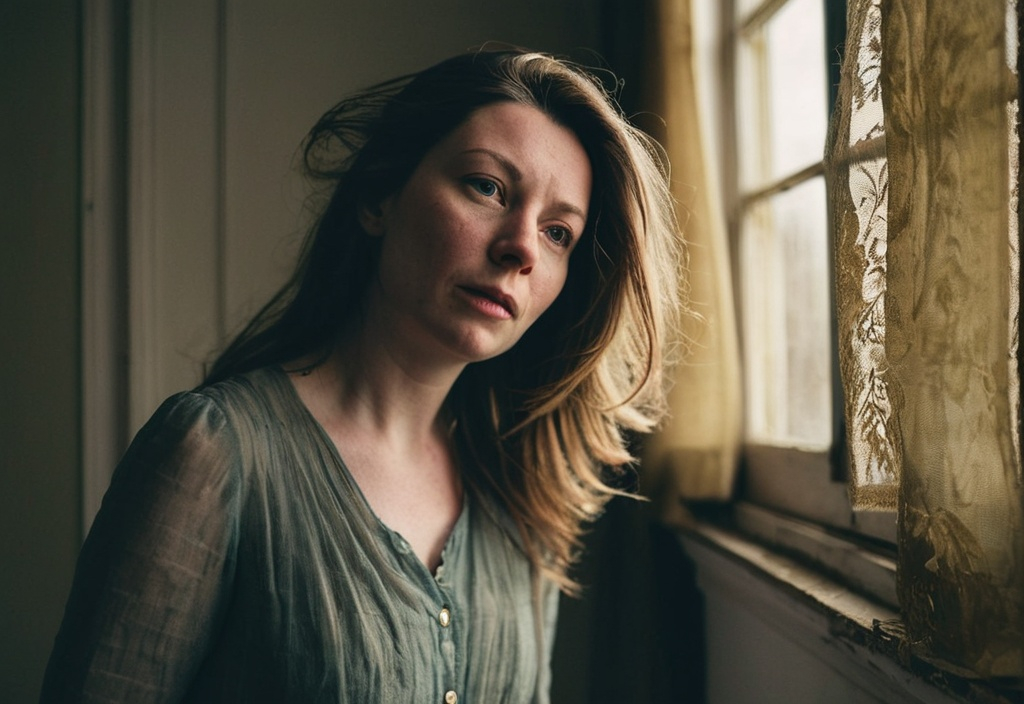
380	487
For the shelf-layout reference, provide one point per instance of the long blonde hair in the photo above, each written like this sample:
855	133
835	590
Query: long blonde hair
542	428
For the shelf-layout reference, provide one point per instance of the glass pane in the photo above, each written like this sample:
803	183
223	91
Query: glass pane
783	94
787	319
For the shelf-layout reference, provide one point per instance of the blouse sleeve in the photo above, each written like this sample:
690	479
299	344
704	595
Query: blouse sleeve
157	568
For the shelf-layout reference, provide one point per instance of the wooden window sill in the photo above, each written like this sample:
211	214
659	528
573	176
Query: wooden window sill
858	637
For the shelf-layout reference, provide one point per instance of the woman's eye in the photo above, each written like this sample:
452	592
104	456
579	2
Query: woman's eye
560	236
484	186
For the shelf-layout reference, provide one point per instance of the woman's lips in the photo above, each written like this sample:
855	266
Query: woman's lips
491	301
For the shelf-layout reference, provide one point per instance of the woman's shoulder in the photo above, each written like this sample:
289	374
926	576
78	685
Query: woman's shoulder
211	416
244	388
253	398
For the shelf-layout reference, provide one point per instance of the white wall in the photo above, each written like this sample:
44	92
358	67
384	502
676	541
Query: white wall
750	662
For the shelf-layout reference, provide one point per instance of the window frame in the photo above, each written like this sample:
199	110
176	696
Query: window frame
810	485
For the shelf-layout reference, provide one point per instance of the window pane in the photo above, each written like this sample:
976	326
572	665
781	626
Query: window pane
787	319
783	94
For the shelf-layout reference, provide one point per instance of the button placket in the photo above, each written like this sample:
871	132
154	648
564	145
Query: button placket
444	619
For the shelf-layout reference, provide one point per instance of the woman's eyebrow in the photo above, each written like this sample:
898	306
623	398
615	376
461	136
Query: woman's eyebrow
516	175
513	171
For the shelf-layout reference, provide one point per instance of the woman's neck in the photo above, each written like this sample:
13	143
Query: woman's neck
386	421
375	387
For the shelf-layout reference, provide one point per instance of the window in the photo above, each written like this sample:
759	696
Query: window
782	60
923	208
780	225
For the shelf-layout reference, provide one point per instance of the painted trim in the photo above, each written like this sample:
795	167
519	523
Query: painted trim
143	271
102	233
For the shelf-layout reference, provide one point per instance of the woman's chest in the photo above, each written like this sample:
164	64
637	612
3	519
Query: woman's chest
351	614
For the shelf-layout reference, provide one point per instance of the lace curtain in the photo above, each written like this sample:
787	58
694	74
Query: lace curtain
694	455
922	172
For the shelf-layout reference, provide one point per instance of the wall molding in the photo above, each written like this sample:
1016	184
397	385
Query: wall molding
102	252
175	189
143	272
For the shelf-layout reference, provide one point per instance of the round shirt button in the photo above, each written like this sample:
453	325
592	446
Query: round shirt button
445	617
450	697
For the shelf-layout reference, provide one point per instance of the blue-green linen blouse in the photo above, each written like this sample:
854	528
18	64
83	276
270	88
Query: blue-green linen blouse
236	560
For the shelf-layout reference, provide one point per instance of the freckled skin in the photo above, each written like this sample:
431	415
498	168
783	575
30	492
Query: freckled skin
494	210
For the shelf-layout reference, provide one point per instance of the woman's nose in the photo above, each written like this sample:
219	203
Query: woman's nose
515	247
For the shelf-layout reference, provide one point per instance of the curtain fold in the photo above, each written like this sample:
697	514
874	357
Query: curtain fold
857	174
694	455
922	168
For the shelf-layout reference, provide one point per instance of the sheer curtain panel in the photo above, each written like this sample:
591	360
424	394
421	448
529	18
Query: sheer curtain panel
923	174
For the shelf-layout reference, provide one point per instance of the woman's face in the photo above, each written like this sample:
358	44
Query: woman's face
476	245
